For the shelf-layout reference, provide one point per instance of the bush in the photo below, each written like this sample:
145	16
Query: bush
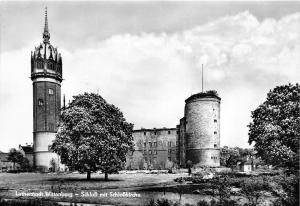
252	189
286	188
217	203
202	203
161	202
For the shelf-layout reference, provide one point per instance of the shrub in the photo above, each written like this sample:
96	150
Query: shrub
252	188
203	203
161	202
286	188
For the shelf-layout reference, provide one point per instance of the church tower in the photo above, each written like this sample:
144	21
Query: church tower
46	76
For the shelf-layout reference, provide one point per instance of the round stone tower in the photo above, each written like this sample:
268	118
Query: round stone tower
202	115
46	75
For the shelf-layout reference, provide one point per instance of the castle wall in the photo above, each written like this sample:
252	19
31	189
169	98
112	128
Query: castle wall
154	149
203	131
43	159
182	143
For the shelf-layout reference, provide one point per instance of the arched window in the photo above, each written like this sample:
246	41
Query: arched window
40	102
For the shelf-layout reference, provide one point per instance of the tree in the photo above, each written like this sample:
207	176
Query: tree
25	165
229	157
275	128
93	135
15	157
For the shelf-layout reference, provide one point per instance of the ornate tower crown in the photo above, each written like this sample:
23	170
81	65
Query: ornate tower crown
46	62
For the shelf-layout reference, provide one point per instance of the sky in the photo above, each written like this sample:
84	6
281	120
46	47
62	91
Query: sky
146	57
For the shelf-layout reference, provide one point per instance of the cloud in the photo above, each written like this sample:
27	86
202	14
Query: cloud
148	76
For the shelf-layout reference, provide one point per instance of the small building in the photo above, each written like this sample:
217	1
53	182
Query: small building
27	152
247	166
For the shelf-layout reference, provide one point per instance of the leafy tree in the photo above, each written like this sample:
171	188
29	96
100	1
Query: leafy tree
229	157
15	157
275	129
25	165
93	135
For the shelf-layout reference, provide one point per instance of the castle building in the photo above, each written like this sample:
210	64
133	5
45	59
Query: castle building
199	130
196	140
46	76
154	149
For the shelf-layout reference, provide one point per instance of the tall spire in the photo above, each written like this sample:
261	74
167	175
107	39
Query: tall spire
46	34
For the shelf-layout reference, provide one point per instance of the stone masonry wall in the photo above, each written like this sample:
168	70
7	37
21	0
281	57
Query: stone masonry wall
154	149
203	131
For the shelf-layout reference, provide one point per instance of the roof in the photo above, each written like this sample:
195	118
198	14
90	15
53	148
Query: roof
154	129
211	94
27	149
249	162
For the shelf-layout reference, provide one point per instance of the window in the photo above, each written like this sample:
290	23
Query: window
176	143
215	132
150	151
169	151
146	159
169	158
144	133
51	126
169	132
145	151
150	144
144	144
40	65
50	66
154	133
169	144
215	145
40	102
215	121
50	91
177	132
155	151
154	144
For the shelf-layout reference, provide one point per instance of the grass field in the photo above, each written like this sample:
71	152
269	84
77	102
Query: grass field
12	185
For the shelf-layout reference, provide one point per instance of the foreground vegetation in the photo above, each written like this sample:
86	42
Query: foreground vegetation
232	188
